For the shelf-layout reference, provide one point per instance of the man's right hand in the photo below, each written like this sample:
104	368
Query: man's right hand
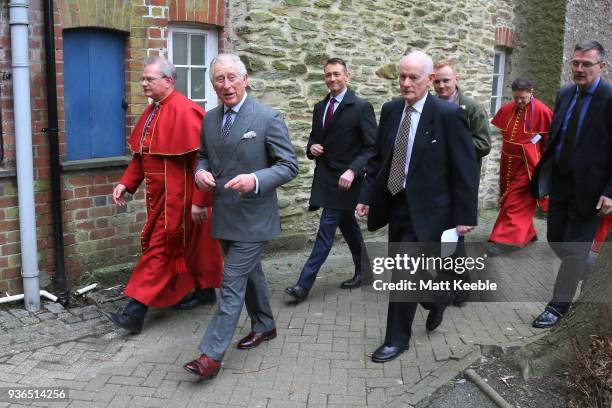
205	180
316	149
118	193
362	210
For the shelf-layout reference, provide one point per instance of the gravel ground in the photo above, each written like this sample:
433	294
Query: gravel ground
460	393
545	392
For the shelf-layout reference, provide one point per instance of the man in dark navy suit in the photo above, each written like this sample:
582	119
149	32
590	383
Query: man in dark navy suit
422	181
341	142
577	170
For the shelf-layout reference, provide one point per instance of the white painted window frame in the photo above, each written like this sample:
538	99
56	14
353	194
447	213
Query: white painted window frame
498	78
212	43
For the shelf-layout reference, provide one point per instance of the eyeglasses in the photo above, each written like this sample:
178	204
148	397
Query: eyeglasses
585	64
148	80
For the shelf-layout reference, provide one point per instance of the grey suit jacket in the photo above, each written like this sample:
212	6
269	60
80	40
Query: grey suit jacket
258	143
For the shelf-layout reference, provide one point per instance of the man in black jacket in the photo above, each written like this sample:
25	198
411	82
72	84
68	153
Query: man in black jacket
422	180
577	167
341	142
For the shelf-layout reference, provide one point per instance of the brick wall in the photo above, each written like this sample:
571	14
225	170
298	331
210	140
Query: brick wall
97	234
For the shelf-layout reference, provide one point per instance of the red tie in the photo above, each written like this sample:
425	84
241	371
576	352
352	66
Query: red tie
329	115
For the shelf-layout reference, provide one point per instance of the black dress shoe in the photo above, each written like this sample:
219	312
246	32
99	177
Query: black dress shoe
434	318
353	283
129	323
387	353
196	298
545	320
298	292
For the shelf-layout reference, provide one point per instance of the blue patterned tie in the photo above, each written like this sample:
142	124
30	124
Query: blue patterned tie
229	121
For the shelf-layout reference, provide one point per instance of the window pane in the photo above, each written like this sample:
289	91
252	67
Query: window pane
496	63
198	83
181	81
179	48
202	105
197	49
494	90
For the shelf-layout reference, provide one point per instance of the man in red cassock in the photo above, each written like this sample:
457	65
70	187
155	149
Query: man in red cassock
524	125
178	252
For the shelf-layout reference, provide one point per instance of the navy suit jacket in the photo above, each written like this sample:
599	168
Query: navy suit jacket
592	155
348	143
442	181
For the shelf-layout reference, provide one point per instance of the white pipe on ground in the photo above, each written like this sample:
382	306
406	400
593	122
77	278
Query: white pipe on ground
14	298
86	289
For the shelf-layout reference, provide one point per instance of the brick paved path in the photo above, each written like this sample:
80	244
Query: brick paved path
320	357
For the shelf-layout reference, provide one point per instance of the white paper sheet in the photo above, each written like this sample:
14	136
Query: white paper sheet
449	240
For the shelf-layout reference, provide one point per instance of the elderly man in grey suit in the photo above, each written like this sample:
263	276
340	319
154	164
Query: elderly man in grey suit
245	154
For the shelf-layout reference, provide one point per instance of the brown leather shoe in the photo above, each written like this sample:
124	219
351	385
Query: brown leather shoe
204	367
254	339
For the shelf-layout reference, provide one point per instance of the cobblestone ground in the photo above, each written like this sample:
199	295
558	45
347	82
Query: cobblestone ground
319	359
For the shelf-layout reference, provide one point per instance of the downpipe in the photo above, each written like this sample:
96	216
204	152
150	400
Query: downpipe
18	21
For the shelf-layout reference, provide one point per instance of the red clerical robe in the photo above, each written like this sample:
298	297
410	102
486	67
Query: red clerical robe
521	151
177	254
602	233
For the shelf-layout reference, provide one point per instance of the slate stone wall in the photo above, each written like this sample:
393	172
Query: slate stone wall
286	43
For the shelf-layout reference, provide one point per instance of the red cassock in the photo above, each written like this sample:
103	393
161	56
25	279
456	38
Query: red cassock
521	151
602	233
177	254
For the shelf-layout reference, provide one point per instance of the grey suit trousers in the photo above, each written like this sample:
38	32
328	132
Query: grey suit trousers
243	282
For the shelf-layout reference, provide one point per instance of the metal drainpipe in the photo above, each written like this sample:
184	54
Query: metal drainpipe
18	21
59	278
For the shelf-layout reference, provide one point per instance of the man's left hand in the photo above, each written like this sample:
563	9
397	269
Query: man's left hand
604	205
242	183
464	229
346	179
199	214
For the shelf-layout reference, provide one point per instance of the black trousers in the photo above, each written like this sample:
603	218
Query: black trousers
400	314
570	235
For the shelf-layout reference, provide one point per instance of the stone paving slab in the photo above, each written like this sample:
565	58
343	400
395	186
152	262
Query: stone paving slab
321	357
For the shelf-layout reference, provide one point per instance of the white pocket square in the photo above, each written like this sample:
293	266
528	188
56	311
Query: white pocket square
249	135
433	141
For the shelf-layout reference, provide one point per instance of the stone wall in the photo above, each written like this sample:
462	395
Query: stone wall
285	44
587	20
539	29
